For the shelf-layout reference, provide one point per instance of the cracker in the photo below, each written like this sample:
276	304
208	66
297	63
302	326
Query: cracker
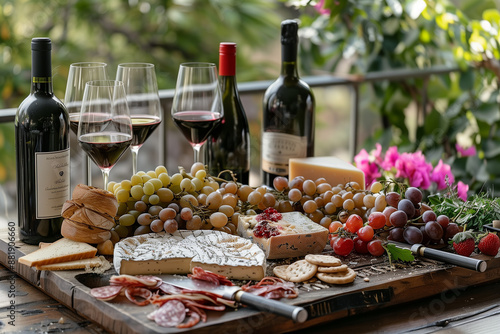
280	271
338	278
336	269
323	260
301	271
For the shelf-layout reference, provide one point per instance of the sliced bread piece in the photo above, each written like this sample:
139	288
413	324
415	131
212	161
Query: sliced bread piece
63	250
77	264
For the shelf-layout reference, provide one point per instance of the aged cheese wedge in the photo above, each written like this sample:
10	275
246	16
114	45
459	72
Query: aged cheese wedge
177	253
298	235
334	170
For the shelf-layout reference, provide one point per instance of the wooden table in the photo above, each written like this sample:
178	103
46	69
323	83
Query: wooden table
35	311
420	298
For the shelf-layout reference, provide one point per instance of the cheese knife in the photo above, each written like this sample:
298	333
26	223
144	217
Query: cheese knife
296	313
439	255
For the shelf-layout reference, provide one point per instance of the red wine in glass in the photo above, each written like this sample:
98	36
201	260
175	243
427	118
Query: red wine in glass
105	148
142	127
99	120
196	125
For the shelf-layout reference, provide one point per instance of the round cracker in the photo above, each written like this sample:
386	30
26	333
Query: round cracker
337	269
338	278
280	271
301	271
323	260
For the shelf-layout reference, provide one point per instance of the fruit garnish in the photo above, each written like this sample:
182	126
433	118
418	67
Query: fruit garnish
264	230
269	214
489	244
463	243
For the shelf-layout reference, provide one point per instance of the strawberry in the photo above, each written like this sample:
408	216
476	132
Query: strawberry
489	244
463	243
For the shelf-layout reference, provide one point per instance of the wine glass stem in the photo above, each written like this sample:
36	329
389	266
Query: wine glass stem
89	170
196	150
135	152
105	177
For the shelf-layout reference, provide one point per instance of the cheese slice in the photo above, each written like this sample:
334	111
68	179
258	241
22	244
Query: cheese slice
334	170
298	235
177	253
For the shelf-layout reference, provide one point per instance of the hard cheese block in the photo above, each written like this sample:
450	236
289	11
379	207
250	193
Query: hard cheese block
298	235
334	170
177	253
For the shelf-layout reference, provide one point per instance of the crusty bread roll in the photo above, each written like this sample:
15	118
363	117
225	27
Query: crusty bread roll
96	199
83	233
81	214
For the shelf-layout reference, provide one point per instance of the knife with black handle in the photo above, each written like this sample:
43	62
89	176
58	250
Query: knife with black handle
439	255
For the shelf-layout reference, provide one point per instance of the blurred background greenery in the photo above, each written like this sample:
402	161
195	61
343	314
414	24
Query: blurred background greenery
353	37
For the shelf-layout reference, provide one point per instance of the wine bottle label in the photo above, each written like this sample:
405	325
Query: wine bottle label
52	182
278	148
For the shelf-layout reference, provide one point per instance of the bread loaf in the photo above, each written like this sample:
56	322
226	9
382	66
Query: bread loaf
83	233
63	250
96	199
80	213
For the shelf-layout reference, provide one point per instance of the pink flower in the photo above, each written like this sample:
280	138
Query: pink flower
415	168
462	189
377	154
391	156
442	174
370	169
466	152
320	8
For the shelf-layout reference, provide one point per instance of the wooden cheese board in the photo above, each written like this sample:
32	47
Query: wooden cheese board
377	286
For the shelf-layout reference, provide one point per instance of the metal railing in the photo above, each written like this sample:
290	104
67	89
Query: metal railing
259	87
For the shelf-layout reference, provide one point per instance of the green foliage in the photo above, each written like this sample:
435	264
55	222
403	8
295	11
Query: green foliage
165	33
399	254
461	107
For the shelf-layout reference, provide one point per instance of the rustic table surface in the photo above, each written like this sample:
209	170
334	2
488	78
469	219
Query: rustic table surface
24	308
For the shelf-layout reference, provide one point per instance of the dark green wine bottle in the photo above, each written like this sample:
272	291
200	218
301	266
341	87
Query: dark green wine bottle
288	113
42	153
228	147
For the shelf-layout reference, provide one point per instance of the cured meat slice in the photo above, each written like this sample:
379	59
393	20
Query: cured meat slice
272	288
193	319
132	292
170	314
170	289
106	292
205	275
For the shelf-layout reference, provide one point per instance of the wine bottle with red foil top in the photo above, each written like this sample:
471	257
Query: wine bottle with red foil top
42	153
288	113
228	147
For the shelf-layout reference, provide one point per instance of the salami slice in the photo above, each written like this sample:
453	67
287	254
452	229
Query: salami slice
205	275
169	289
132	292
149	281
170	314
192	320
106	292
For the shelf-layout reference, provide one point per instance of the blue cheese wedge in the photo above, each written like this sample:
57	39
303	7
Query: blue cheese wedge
294	235
177	253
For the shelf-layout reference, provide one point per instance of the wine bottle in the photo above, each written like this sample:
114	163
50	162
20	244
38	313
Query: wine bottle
42	153
288	113
228	147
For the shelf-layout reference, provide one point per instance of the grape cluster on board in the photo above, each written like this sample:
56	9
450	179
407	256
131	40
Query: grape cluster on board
156	201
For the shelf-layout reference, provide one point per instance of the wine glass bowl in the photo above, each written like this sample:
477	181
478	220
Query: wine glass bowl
79	74
141	89
197	104
105	127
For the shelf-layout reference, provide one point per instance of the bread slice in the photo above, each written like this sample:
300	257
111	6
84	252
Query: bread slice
77	264
63	250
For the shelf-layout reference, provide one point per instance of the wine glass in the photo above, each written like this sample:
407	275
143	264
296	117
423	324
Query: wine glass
197	104
105	128
79	75
141	88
